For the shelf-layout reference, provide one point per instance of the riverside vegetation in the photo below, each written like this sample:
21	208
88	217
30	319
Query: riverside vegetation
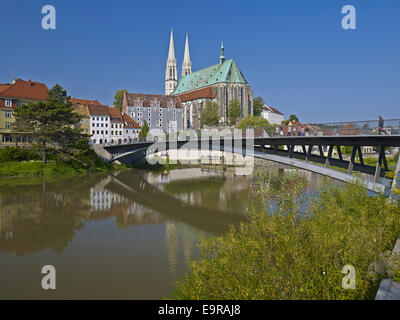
288	252
55	136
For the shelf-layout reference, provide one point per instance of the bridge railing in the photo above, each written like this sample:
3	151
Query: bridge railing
350	128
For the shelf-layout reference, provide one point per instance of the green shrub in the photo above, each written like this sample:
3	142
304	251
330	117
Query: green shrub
18	154
284	253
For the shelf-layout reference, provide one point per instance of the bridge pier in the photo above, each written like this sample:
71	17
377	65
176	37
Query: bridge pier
351	162
396	179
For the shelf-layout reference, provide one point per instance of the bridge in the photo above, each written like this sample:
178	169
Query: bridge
313	147
314	153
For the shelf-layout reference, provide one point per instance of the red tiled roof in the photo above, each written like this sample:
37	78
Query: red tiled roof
207	92
29	90
271	109
85	101
115	114
129	122
99	111
148	100
4	86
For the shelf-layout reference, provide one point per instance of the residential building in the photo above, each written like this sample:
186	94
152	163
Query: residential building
131	129
159	111
116	126
12	95
81	106
272	115
99	124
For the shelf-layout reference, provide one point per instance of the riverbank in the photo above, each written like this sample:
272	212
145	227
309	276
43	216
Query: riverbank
286	253
23	167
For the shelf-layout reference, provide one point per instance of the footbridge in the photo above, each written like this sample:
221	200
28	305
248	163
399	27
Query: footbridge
313	153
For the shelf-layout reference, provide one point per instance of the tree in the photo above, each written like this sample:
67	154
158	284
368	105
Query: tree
52	121
144	131
292	118
258	105
254	122
210	114
119	95
233	112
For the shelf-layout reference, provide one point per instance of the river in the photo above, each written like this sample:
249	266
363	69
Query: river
129	235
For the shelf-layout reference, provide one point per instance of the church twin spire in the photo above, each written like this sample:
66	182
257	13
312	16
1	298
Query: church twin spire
187	64
171	73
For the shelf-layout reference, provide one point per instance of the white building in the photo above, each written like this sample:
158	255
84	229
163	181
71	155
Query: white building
116	126
131	129
273	115
99	124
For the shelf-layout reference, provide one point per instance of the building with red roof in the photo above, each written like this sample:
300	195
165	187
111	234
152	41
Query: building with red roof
12	95
131	129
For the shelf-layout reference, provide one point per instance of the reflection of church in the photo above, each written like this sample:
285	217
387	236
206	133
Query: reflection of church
220	83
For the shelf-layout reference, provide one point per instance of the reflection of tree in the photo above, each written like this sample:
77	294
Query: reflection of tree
44	216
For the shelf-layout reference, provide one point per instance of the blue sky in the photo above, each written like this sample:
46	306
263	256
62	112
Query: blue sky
293	53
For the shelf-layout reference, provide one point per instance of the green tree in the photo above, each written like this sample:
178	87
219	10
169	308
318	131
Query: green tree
144	131
292	118
254	122
119	95
51	122
233	112
210	114
258	104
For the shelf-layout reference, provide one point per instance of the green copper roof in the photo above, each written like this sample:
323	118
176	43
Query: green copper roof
225	72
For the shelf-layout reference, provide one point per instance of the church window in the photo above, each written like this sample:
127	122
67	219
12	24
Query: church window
241	102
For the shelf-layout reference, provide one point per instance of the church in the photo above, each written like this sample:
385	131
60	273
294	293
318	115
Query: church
220	83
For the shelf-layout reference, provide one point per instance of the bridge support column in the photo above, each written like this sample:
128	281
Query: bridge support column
351	162
328	158
379	163
396	179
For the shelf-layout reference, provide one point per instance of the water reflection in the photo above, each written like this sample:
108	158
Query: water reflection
124	236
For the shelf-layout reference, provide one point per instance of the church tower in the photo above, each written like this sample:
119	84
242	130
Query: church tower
171	73
187	64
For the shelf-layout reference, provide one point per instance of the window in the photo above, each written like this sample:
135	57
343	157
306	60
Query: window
7	139
98	132
93	132
112	133
8	114
112	126
102	132
8	125
8	103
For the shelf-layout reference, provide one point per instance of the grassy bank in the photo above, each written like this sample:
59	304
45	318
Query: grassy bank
284	253
23	166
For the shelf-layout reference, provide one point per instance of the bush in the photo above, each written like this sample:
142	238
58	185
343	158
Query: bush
254	122
284	253
18	154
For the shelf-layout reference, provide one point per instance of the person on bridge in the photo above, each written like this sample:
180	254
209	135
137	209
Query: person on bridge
380	125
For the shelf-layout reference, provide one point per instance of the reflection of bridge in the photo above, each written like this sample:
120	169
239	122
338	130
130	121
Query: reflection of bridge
138	190
325	150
